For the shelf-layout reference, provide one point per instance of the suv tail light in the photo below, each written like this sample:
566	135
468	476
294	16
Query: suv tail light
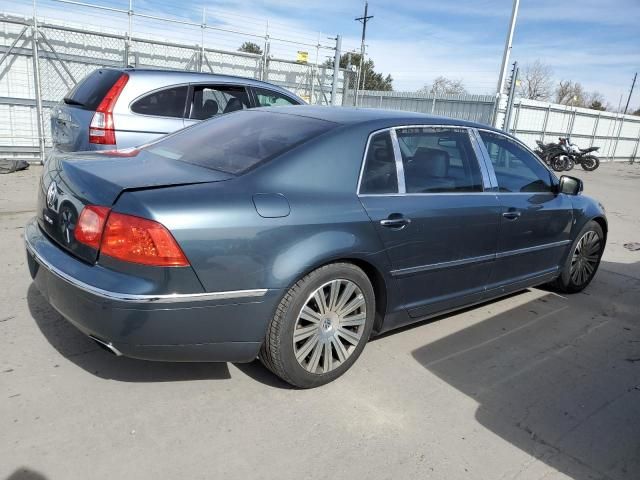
102	129
129	238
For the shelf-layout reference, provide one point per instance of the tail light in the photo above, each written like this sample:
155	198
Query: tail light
129	238
102	130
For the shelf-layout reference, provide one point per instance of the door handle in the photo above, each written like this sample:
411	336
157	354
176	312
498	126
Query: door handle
398	223
511	215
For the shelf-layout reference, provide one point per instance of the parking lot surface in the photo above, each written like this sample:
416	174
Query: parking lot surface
536	385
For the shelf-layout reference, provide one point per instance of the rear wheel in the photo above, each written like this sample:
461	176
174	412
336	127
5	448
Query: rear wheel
590	163
584	259
558	163
321	326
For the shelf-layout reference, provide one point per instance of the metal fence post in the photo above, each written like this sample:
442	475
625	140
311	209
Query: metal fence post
595	130
433	103
36	85
615	145
336	69
545	123
202	28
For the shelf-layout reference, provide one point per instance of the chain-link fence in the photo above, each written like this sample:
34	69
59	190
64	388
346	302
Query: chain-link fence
40	61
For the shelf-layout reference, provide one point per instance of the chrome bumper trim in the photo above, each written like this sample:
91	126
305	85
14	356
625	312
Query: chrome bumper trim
134	298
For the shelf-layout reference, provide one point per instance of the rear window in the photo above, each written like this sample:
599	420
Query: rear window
91	90
236	142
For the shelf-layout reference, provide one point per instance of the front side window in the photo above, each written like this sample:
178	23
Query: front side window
169	102
438	160
209	101
516	169
269	98
379	175
235	143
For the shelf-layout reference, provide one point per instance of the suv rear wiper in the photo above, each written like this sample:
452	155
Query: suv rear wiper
71	101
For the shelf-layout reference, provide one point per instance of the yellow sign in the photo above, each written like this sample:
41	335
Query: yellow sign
303	57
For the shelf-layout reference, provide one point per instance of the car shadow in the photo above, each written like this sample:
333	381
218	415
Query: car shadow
556	376
24	473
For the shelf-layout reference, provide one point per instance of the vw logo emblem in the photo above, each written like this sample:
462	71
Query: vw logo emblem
52	195
68	220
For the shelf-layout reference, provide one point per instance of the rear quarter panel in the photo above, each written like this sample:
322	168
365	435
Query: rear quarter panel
232	247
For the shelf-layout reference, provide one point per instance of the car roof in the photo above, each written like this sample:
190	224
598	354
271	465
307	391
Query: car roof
181	76
354	115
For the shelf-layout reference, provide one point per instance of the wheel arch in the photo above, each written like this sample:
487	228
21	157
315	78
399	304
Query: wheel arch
373	273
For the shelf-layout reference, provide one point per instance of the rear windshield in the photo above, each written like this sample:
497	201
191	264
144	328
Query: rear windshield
235	142
91	90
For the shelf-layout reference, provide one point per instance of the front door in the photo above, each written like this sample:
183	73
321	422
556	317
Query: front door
423	187
535	221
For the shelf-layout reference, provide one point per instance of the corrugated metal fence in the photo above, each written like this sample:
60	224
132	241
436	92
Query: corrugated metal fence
617	135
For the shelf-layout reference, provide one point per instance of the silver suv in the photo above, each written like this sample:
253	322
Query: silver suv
119	108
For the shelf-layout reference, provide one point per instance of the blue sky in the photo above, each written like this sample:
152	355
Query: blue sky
595	42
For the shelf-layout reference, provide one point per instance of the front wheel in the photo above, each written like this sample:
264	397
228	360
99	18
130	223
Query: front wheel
320	326
584	259
590	163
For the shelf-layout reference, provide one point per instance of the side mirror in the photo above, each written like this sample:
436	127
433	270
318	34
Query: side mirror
570	185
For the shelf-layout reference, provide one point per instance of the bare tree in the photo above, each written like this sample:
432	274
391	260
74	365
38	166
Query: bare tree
537	81
595	101
444	86
570	93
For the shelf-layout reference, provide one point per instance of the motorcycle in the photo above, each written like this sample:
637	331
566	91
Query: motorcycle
563	156
579	155
553	154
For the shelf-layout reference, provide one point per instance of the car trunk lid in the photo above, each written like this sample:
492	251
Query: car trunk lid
70	182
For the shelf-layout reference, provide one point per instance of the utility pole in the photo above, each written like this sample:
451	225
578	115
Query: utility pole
633	84
512	94
336	70
364	19
507	48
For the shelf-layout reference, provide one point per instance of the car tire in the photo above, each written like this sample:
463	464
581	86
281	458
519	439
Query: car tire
320	326
583	259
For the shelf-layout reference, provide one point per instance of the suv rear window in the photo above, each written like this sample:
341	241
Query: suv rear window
91	90
237	142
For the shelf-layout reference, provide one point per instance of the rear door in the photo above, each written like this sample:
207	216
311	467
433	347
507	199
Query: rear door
424	189
210	100
70	119
535	222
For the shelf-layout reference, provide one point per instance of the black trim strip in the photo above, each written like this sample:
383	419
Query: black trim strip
480	259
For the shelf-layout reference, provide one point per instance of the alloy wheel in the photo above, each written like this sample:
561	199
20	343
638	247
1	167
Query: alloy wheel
329	326
585	258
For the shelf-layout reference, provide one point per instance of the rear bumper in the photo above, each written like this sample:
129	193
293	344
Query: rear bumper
212	326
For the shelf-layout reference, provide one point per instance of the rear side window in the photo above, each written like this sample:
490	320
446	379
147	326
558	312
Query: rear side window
237	142
169	102
91	90
438	160
379	175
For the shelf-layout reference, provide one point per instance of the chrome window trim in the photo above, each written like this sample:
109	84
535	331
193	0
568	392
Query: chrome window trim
135	298
486	185
486	160
397	155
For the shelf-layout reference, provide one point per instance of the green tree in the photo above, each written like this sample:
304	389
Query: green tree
250	47
372	80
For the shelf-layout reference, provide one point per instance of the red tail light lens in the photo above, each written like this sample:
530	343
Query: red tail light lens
128	238
138	240
102	129
90	225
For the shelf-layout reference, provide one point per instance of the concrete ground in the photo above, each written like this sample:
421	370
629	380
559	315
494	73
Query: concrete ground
534	386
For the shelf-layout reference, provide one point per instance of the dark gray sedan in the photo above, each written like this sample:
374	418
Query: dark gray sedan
293	235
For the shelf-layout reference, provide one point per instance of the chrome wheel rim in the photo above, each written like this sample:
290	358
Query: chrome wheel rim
329	326
585	258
